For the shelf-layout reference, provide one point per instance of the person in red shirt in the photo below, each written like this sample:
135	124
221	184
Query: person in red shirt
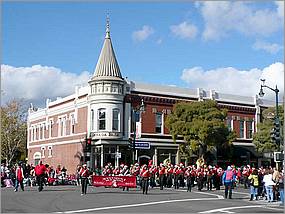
152	172
84	174
187	175
19	178
145	177
161	173
40	171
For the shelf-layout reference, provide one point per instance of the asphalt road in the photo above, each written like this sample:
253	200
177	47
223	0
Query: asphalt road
67	199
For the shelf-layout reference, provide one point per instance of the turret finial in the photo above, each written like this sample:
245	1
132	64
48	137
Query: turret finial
107	27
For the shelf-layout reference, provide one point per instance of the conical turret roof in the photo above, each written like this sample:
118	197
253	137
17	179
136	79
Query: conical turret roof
107	66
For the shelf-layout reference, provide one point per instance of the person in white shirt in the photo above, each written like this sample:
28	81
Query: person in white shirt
268	183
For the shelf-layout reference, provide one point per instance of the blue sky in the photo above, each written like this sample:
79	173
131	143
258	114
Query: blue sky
162	43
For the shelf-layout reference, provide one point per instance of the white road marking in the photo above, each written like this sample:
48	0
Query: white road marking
226	211
229	208
137	205
207	193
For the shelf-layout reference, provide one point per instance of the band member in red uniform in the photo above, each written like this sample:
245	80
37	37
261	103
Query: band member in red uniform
145	177
200	177
176	173
19	178
161	173
84	174
40	171
187	175
152	172
169	173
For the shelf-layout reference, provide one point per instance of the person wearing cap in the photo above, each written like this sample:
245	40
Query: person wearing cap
84	173
228	179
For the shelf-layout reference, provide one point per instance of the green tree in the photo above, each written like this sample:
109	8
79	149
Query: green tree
262	138
13	131
202	125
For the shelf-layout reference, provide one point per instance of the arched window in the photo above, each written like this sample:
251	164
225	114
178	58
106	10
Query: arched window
37	158
102	119
116	120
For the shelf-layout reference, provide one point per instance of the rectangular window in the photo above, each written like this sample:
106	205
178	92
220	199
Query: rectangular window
115	120
229	123
102	119
249	129
64	126
158	122
33	133
72	124
92	119
41	132
50	128
241	129
61	126
44	130
36	133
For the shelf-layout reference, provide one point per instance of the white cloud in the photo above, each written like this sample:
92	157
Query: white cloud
142	34
223	17
37	83
159	41
184	30
271	48
280	8
233	81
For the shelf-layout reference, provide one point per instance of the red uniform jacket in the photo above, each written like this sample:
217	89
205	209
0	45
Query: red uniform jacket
145	173
40	169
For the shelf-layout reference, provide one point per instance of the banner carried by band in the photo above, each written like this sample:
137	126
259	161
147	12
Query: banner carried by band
114	181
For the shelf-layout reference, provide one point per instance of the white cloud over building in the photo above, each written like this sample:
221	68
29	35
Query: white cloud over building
37	83
221	18
184	30
233	81
272	48
143	34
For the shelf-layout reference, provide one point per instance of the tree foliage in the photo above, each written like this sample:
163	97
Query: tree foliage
13	131
202	125
262	138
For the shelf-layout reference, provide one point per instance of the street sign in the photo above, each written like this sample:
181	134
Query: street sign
118	155
142	145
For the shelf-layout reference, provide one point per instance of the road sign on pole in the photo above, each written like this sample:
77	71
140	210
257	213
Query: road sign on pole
118	155
142	145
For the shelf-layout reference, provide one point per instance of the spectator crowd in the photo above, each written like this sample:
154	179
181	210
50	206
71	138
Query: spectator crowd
263	183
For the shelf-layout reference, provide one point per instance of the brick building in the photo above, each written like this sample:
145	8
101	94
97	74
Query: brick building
104	110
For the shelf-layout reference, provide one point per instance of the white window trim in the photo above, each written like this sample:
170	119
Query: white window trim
43	151
119	121
49	151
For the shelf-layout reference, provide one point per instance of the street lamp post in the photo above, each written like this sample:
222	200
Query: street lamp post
136	110
261	94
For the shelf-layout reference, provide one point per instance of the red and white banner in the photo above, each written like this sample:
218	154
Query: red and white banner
114	181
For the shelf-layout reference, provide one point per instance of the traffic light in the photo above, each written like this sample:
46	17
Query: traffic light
88	144
130	143
275	133
278	156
